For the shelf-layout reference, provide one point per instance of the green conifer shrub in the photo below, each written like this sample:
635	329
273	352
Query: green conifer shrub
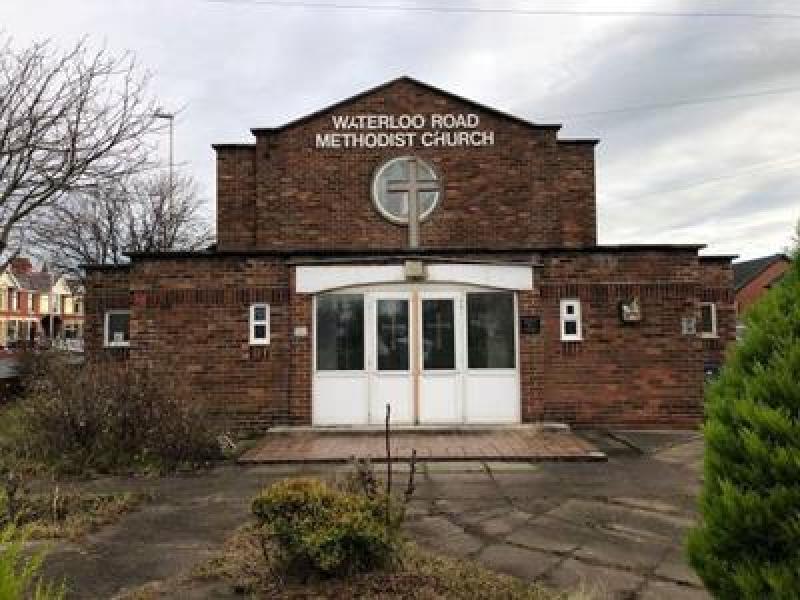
747	544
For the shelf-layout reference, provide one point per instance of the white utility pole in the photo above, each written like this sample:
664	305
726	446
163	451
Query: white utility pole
160	114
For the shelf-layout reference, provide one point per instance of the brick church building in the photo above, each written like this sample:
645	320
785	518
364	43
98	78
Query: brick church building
410	246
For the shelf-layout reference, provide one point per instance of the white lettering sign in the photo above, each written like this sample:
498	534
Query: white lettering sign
405	131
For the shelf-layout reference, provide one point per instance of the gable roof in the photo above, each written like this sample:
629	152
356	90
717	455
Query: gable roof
35	281
744	272
416	82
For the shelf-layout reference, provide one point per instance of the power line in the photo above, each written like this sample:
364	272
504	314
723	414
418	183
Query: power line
510	11
671	104
746	170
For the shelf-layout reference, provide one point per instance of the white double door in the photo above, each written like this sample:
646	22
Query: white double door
418	343
416	348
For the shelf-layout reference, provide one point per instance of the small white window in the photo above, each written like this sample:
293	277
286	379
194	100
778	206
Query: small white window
117	328
708	320
259	324
15	301
571	330
30	302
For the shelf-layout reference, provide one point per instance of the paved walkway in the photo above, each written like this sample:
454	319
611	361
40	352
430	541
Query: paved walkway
614	527
506	444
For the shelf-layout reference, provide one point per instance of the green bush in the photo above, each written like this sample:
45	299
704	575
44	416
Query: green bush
19	574
108	417
322	531
748	542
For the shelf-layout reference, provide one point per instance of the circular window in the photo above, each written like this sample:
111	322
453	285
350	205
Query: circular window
396	180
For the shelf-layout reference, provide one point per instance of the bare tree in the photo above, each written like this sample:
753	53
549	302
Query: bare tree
140	214
68	120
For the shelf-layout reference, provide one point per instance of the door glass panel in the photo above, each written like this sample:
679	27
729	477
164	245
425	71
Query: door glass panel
490	330
438	335
340	332
392	335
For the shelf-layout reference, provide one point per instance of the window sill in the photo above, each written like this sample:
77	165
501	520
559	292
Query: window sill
709	336
117	345
572	339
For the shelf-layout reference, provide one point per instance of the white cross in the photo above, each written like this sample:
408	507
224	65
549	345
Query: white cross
439	326
413	187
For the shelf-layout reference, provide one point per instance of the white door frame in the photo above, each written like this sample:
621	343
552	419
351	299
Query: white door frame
400	383
338	385
350	395
442	386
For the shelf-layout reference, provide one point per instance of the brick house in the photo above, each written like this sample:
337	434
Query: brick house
38	306
409	246
752	278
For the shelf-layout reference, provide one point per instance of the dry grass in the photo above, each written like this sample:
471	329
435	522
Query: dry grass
72	515
419	575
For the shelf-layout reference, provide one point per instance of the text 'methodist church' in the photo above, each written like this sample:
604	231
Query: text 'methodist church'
409	246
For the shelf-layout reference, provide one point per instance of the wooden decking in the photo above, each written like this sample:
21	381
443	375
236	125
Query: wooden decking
504	444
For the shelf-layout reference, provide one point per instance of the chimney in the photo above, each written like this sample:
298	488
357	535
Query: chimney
21	265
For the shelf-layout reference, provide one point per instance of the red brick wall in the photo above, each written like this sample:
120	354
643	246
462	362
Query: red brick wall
717	278
750	293
529	189
236	200
106	289
190	317
638	375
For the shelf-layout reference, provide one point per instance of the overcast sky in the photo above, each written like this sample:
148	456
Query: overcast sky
723	173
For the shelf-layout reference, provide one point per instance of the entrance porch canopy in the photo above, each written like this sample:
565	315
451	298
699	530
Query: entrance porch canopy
319	278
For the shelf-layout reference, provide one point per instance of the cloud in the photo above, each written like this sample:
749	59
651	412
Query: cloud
234	66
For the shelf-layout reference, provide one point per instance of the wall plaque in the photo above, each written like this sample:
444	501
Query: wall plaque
530	325
689	326
630	311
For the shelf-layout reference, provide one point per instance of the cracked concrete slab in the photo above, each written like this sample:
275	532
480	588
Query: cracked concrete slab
636	522
441	534
660	590
621	551
520	562
617	526
675	567
503	524
550	534
600	583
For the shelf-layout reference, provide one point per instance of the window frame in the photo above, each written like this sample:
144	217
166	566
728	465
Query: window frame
14	300
253	322
377	341
12	325
366	363
514	332
378	190
565	318
107	343
714	333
